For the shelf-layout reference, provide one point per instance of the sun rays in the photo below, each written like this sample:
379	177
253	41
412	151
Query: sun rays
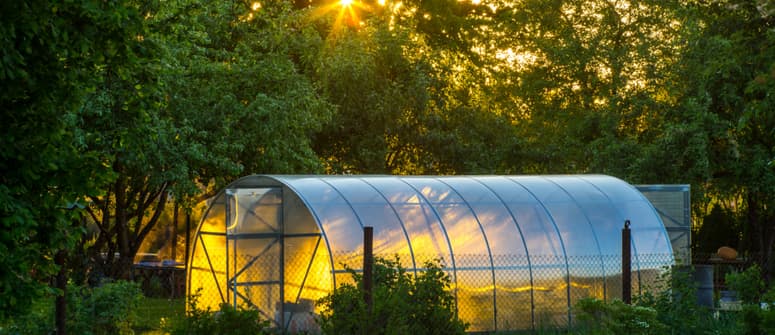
349	13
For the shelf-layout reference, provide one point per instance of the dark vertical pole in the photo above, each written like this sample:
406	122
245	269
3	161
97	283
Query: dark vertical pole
61	302
626	264
188	238
174	250
185	257
174	242
368	265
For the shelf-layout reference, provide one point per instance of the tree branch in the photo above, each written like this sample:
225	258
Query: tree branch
158	209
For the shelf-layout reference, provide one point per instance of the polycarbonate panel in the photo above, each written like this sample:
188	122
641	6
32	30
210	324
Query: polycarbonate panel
463	230
520	250
207	262
340	224
214	218
254	210
298	218
426	235
207	271
473	264
373	210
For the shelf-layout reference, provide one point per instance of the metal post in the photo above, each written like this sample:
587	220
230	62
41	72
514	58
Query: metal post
185	256
626	264
368	265
188	239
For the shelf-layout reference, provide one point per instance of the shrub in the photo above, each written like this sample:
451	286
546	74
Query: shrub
227	320
597	317
107	309
110	308
676	306
402	303
748	284
758	314
39	319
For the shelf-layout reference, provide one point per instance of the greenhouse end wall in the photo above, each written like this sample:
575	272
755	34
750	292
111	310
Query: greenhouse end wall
520	250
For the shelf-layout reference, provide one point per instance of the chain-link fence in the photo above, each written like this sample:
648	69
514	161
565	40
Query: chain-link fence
498	292
503	292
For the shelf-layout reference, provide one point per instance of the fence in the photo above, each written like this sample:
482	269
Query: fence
493	292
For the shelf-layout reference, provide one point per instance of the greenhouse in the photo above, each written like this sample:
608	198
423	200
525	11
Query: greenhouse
520	250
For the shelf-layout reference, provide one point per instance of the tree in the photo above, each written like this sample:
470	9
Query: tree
587	81
729	80
410	95
377	90
49	50
209	93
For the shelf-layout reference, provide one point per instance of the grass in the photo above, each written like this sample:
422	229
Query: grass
153	312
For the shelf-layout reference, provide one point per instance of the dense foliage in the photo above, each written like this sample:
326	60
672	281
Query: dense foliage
226	320
403	303
114	111
49	52
597	317
110	308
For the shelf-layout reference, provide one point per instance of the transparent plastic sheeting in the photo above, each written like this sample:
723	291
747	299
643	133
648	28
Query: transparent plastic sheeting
520	250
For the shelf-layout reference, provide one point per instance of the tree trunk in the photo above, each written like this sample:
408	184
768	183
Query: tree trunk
60	304
121	265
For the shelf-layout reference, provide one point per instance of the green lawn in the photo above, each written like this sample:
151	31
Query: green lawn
153	312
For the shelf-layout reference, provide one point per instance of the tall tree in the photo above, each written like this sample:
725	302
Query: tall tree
211	93
49	52
587	80
730	77
410	92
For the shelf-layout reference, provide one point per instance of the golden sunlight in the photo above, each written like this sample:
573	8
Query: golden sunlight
346	3
256	6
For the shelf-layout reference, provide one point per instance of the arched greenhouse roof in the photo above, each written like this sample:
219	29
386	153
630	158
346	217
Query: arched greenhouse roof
520	250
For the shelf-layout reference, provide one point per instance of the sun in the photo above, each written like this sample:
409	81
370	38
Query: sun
348	12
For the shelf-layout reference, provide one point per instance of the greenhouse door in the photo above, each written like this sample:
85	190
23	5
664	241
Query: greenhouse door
254	247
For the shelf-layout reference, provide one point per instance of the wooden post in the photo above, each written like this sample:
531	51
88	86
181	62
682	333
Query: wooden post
368	266
626	264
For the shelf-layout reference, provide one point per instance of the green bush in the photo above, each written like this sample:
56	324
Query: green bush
38	320
227	320
676	306
402	303
110	308
758	314
748	284
597	317
107	309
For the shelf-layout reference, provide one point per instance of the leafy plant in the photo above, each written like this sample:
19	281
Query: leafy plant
748	284
599	317
110	308
227	320
757	316
676	305
402	303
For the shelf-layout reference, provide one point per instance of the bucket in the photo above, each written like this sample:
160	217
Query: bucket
703	277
